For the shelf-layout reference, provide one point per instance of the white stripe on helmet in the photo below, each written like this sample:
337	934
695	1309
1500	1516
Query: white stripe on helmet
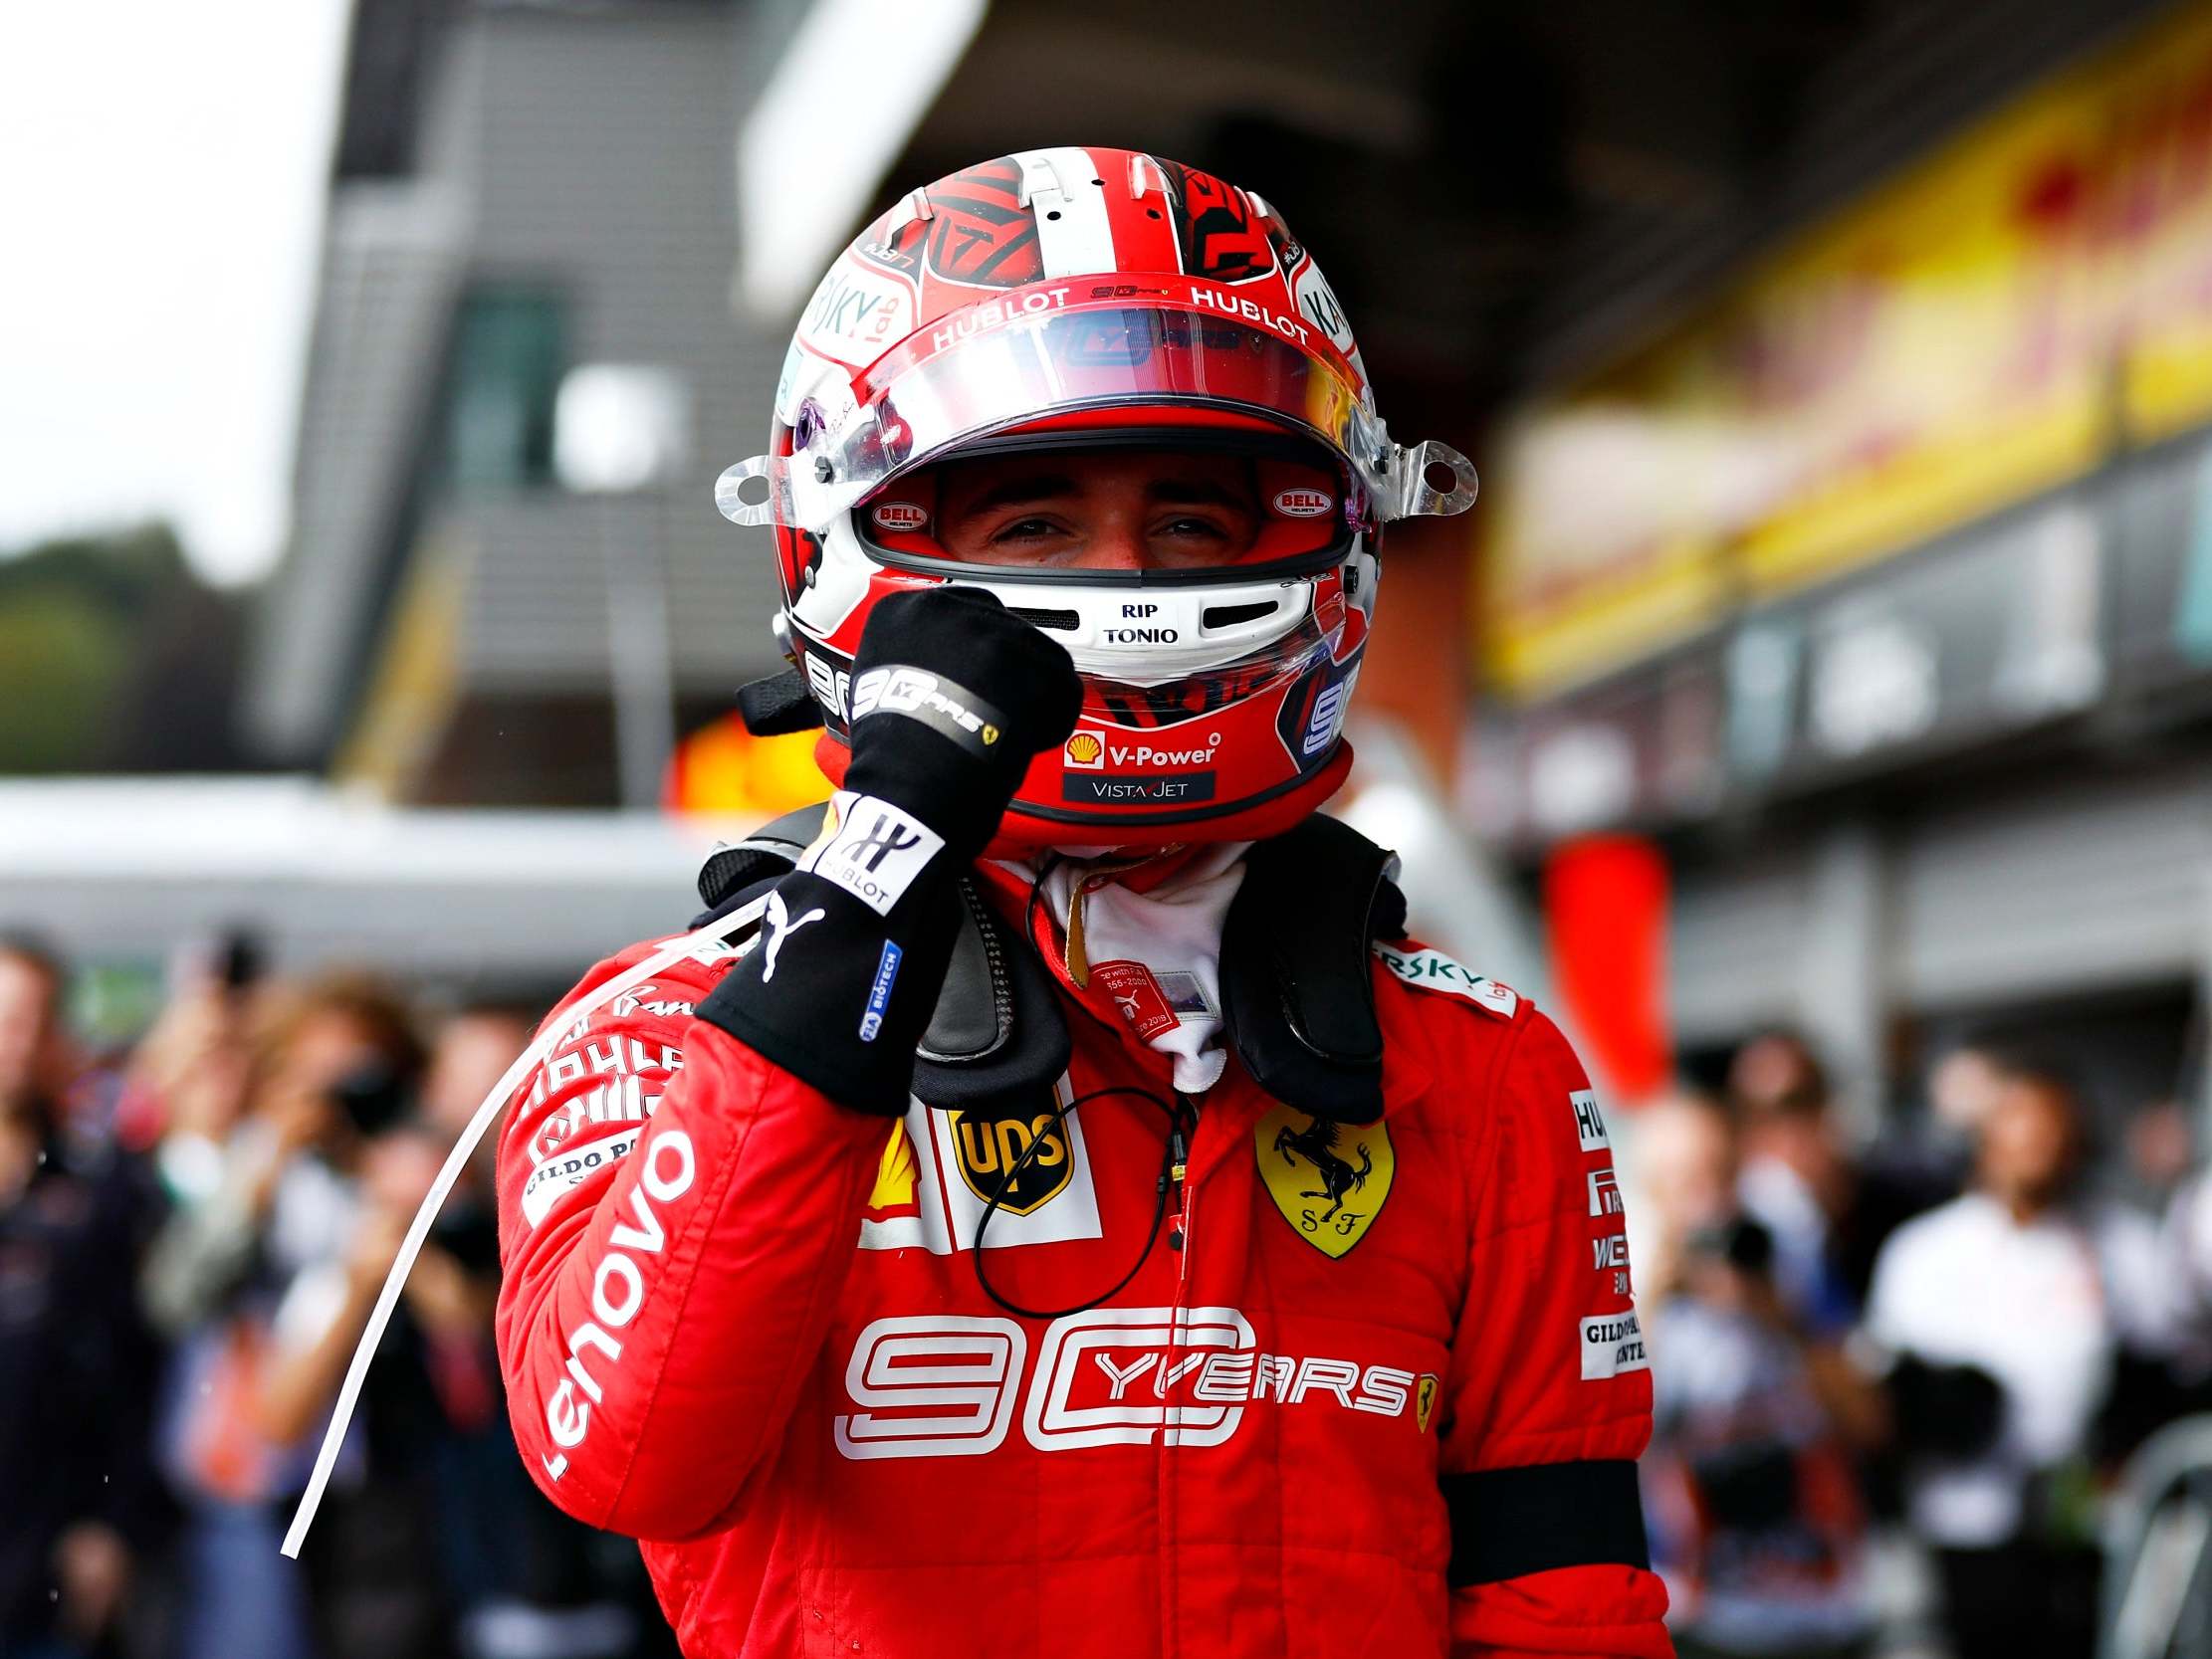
1076	233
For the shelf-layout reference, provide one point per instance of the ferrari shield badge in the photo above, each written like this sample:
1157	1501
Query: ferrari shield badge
1329	1180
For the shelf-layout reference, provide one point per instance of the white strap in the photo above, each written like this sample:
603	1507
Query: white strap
463	1150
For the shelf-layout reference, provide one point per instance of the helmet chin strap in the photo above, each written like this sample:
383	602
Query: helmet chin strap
705	938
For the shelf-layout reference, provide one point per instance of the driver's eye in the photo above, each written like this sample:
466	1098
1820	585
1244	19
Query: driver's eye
1024	530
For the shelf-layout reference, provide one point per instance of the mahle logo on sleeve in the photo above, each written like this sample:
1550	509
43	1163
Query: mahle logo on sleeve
1329	1180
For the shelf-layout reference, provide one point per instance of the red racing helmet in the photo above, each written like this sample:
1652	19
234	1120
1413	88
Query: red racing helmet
1081	299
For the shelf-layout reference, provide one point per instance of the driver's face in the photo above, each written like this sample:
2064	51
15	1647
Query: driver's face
1140	509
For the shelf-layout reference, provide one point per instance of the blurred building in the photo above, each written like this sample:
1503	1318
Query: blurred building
1841	525
519	191
1876	581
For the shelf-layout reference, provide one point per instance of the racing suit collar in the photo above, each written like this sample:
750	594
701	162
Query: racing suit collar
1139	945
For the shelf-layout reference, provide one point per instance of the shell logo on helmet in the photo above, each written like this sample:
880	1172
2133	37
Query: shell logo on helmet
1085	296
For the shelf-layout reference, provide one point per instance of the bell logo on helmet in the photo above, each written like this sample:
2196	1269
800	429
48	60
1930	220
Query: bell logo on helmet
1084	751
1304	504
901	516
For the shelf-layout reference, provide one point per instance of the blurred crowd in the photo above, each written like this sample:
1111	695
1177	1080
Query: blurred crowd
192	1235
1955	1335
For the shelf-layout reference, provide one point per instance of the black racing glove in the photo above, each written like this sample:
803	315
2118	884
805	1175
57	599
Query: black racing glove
951	697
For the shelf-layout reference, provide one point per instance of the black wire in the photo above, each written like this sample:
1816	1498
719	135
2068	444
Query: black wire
1029	1156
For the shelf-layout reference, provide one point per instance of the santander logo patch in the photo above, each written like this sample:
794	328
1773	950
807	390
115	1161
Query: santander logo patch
1303	503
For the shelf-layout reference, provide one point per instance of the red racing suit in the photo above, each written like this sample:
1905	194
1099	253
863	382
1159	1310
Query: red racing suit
1358	1382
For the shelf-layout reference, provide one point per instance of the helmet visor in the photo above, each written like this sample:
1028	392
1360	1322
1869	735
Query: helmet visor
1026	358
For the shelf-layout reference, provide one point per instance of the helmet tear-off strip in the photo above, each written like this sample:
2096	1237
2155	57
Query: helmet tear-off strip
495	1103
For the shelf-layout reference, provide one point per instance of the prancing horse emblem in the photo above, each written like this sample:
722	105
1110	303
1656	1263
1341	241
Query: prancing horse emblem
1316	1144
1329	1197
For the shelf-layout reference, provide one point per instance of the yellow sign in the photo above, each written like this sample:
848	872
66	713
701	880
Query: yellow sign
1328	1180
1425	1399
724	768
1988	324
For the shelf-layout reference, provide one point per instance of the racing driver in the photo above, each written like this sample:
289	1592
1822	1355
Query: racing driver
1046	1205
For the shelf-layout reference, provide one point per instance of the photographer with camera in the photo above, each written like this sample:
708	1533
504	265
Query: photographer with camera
256	1278
2004	1320
1755	1516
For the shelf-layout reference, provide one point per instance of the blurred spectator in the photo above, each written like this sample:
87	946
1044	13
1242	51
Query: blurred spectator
1964	1087
270	1242
76	1493
2160	1145
2005	1317
1829	1211
2185	1247
1796	1181
1755	1518
1681	1155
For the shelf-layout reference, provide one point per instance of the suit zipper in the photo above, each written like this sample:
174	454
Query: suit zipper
1179	1240
1179	1222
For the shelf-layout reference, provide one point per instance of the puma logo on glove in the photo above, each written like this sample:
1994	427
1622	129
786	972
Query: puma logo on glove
781	928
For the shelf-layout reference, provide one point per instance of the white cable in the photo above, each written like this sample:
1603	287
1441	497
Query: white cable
486	1115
